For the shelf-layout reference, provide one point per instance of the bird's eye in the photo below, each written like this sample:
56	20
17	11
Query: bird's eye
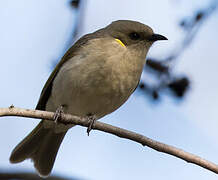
134	36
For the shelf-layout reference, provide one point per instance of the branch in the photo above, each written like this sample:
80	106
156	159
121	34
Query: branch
123	133
27	176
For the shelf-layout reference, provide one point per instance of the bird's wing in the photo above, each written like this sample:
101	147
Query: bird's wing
46	91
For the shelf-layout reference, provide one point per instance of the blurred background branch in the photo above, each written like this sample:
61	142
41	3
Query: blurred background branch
10	175
162	68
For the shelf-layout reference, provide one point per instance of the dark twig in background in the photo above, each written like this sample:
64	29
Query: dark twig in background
27	176
77	26
162	68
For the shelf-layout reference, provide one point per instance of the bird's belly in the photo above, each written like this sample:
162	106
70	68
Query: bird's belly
95	102
98	93
86	97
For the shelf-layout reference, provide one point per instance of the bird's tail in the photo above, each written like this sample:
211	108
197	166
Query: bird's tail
41	145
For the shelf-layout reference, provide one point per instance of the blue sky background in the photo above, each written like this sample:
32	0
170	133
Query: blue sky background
34	33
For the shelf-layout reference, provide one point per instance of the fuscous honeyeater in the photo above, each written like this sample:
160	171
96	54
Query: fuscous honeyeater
94	78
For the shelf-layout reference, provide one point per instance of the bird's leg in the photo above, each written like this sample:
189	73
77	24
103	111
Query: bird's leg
58	112
91	119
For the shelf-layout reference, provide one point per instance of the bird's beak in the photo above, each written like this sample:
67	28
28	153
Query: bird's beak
157	37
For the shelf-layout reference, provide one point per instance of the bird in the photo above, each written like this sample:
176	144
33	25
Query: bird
93	79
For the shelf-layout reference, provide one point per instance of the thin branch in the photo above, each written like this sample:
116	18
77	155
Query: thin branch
123	133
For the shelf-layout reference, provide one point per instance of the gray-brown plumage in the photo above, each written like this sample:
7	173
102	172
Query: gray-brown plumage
95	77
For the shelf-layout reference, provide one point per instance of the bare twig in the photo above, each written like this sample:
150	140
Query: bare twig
123	133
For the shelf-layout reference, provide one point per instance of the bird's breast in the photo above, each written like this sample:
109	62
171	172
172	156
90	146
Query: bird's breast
96	81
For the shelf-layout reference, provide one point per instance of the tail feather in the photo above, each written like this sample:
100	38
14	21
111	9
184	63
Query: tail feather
41	145
45	156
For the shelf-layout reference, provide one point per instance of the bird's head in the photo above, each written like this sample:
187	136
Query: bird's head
132	34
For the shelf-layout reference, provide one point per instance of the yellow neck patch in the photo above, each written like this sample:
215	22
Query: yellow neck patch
120	42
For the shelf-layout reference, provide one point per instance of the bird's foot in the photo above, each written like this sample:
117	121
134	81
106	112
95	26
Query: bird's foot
58	113
91	120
